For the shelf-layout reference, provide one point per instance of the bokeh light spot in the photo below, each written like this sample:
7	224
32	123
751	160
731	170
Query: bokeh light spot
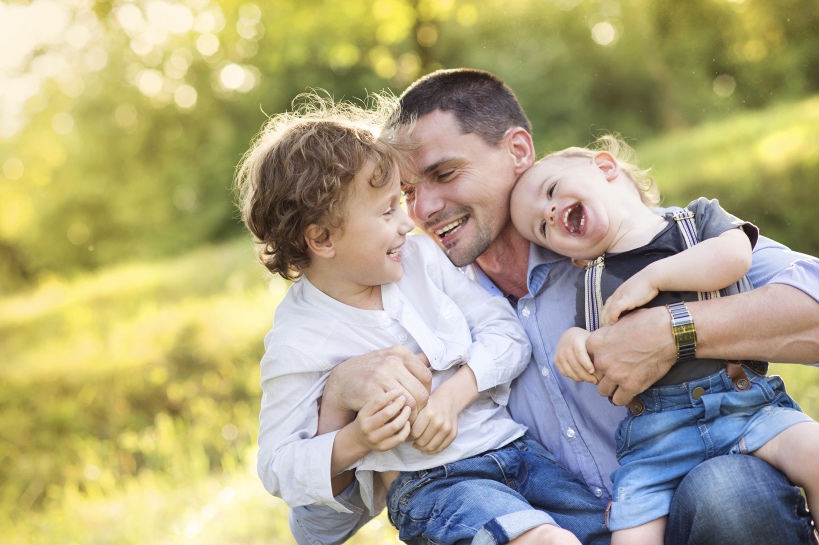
13	168
603	33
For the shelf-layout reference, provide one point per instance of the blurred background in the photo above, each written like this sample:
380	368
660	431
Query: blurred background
132	310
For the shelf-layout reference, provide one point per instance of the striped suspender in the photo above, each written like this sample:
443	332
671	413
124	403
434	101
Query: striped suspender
594	297
594	271
685	221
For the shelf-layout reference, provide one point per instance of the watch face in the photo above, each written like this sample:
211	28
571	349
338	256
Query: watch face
685	334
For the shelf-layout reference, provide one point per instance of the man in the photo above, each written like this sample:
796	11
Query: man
473	142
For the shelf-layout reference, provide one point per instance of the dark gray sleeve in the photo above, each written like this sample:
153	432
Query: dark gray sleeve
712	220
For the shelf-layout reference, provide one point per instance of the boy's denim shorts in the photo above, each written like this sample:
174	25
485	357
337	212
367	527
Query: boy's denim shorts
676	432
493	498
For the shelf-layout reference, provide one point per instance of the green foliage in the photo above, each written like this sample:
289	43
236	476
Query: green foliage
128	151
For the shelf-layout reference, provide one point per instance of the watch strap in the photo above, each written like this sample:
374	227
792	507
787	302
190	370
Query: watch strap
685	334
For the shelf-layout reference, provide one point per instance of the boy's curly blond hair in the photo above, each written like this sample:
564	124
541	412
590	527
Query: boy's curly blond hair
299	170
626	157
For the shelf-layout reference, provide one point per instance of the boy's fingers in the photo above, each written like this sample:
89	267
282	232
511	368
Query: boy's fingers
385	405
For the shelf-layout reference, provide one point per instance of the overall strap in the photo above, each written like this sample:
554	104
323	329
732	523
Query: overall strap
688	228
594	297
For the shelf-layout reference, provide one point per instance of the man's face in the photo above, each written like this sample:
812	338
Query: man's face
463	200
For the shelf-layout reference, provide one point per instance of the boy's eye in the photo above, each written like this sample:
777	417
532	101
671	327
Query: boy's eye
389	211
543	228
551	190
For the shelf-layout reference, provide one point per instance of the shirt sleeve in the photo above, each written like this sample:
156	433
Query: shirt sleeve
712	220
293	462
322	525
500	350
774	263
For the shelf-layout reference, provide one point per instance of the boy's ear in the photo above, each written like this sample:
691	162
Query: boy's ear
607	164
319	241
520	145
580	263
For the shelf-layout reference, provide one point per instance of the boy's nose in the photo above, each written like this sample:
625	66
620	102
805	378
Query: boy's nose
551	213
405	225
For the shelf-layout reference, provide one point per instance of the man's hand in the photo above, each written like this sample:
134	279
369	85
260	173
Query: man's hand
632	354
358	380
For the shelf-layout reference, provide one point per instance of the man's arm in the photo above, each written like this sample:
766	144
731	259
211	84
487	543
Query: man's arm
777	322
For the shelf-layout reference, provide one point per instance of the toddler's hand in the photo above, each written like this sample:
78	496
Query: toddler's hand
633	293
571	357
383	422
436	425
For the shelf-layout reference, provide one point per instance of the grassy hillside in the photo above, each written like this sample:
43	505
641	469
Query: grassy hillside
763	166
130	402
129	407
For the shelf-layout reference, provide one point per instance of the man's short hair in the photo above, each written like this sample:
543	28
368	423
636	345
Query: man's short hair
481	102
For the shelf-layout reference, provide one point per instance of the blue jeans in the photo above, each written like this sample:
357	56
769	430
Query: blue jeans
738	500
492	498
685	424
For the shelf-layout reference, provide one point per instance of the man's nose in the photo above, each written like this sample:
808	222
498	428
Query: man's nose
426	204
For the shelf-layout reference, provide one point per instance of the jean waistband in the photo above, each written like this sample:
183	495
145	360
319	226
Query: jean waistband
733	377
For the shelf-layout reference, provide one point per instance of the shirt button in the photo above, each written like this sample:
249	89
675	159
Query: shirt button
570	433
526	311
598	493
402	337
544	371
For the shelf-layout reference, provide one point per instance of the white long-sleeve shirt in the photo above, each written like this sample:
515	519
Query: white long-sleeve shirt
433	309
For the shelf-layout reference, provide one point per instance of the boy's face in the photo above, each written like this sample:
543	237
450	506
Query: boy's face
367	246
569	205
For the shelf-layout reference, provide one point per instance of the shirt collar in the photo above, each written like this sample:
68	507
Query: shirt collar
348	314
540	262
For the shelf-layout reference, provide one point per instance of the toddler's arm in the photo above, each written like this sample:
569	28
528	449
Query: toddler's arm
711	265
437	424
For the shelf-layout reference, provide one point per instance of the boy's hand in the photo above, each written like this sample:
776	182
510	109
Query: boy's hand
436	426
383	422
571	357
633	293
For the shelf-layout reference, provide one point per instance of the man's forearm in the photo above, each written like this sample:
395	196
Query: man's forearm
777	323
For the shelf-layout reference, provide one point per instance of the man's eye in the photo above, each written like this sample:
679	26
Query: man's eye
442	176
409	193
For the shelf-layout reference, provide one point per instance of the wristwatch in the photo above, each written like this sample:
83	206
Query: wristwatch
685	334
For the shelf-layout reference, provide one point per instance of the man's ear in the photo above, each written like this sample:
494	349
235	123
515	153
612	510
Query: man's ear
319	241
607	164
580	263
520	145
